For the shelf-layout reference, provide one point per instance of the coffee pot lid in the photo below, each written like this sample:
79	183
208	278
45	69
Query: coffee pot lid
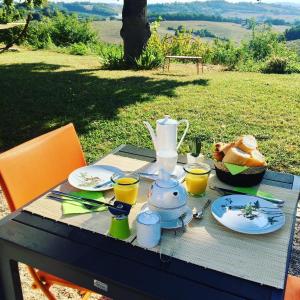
167	121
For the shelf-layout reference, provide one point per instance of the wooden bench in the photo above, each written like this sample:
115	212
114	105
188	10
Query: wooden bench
197	59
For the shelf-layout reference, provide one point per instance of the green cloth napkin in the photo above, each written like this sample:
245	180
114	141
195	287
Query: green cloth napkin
253	191
235	169
75	207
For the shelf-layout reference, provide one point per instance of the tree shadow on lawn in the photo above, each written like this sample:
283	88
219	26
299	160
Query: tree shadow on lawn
169	74
39	96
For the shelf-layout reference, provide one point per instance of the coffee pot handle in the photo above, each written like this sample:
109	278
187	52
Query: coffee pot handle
185	131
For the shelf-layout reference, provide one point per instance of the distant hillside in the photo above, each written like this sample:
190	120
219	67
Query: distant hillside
101	10
222	7
218	10
225	9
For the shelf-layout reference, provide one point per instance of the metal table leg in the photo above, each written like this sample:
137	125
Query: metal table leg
10	284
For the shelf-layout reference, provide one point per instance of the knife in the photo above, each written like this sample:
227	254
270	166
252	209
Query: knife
88	200
85	202
57	196
93	201
279	202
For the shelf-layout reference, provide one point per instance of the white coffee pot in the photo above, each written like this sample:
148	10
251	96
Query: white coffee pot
165	138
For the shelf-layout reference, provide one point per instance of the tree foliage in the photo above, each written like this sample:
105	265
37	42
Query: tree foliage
61	31
10	13
293	33
194	16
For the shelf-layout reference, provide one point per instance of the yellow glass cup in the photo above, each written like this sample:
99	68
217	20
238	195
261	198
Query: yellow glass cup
126	187
196	178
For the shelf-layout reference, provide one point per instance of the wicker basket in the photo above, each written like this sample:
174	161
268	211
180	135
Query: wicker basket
249	177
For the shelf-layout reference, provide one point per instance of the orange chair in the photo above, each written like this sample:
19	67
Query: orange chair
33	168
292	290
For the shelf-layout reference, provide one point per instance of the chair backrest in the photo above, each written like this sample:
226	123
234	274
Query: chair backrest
38	165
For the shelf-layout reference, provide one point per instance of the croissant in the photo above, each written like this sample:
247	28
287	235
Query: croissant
236	156
256	159
247	143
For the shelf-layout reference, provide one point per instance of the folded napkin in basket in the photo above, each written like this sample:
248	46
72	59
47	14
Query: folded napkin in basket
235	169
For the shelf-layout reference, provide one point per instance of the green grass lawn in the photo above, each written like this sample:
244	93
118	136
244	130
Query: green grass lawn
43	90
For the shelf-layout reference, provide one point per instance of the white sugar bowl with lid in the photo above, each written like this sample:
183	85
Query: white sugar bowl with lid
167	197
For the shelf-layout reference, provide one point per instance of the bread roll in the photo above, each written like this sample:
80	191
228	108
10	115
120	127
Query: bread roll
236	156
247	143
256	159
218	154
221	149
219	146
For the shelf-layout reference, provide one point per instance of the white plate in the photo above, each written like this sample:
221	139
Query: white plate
174	224
268	217
89	177
152	172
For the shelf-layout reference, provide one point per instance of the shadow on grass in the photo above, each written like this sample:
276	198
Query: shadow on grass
36	97
169	74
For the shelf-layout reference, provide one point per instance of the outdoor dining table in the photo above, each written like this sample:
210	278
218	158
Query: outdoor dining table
210	261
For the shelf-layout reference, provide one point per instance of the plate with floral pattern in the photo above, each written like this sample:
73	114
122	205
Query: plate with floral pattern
248	214
93	178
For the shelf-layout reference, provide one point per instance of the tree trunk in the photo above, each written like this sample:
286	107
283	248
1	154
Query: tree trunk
135	31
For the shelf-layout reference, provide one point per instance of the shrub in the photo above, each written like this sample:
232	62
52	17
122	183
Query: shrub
267	52
112	57
61	31
282	64
39	34
225	53
180	44
185	44
263	43
153	56
294	67
199	48
68	29
276	64
150	59
249	65
264	52
79	49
